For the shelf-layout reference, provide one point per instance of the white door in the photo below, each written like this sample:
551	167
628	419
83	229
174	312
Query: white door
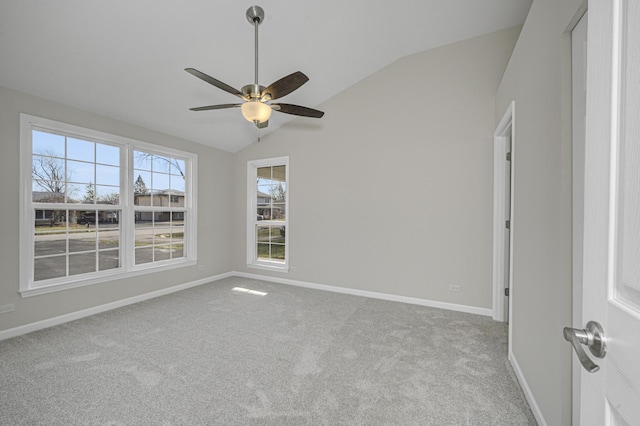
611	271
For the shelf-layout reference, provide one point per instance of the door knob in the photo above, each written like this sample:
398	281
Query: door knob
593	338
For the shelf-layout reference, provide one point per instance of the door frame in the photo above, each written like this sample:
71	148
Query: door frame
578	143
505	130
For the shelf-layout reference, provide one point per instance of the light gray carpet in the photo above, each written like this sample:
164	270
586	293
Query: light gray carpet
211	355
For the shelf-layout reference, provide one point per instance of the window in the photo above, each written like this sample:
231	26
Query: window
87	217
160	215
268	214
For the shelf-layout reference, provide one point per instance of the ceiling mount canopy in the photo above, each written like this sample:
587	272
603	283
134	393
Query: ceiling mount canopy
255	107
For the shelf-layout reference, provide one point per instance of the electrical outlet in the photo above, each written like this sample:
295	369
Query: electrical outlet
7	308
454	287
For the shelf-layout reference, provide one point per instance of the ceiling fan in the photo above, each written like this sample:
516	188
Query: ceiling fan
255	108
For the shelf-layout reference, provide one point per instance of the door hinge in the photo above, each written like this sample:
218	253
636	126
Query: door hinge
506	291
508	156
507	224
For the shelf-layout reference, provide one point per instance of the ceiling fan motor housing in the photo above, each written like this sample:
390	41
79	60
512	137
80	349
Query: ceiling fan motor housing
253	91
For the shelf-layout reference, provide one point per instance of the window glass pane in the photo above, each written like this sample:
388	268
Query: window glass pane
161	252
80	172
81	220
177	234
47	144
161	164
50	236
264	213
278	173
264	173
80	193
108	259
141	160
177	184
263	251
48	174
107	175
107	194
89	196
49	267
142	181
278	212
160	181
80	150
107	154
82	263
108	232
82	230
41	193
144	255
264	188
178	220
277	252
143	228
178	167
82	240
177	250
263	234
162	222
278	193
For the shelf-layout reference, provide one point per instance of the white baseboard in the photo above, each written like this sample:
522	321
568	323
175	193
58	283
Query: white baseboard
527	391
371	294
39	325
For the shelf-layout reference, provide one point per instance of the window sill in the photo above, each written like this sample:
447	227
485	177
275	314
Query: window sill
269	267
143	270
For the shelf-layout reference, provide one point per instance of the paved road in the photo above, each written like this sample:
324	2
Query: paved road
82	255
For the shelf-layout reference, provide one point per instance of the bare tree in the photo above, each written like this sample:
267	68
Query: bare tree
49	174
168	162
278	194
112	198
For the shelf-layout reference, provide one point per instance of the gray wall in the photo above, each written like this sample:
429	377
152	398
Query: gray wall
538	79
392	190
214	215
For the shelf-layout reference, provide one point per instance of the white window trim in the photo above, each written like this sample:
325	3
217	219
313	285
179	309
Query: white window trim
128	268
252	208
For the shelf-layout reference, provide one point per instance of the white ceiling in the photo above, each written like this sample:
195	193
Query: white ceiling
126	59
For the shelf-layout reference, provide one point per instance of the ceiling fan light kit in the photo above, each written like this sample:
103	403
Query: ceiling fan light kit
256	111
255	107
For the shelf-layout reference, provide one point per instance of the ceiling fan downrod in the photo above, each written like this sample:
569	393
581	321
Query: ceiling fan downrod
255	16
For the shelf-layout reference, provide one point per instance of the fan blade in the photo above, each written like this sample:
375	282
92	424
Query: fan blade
297	110
210	107
220	85
284	86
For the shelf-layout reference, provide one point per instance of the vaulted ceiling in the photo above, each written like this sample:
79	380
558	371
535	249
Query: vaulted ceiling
126	59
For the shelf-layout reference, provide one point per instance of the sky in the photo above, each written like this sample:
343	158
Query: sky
97	163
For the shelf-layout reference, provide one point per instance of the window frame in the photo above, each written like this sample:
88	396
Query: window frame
252	208
28	286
